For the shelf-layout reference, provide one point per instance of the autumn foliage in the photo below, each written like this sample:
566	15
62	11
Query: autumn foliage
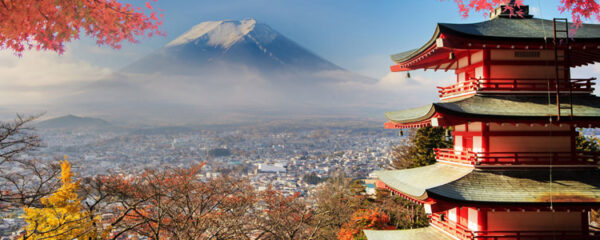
579	9
61	216
49	24
371	219
174	204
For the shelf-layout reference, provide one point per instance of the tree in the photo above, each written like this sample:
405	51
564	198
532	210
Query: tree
23	181
419	151
312	178
172	203
579	9
587	144
49	24
335	202
403	214
371	219
61	216
284	217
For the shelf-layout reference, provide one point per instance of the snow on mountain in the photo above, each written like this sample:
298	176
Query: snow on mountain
219	33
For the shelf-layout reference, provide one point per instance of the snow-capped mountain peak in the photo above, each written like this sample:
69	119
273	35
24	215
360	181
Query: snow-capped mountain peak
211	45
218	33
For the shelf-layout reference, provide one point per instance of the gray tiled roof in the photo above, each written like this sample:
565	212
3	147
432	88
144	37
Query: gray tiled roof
524	186
507	106
521	185
518	28
428	233
503	29
415	181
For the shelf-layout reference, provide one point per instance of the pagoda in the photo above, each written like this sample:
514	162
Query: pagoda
514	171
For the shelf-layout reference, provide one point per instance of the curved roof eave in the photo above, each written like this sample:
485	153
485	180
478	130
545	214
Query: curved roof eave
499	107
405	56
415	182
571	186
412	115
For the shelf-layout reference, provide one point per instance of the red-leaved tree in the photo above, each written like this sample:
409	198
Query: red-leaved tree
49	24
371	219
579	9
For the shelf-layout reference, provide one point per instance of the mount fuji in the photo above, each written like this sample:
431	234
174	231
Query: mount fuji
220	43
225	71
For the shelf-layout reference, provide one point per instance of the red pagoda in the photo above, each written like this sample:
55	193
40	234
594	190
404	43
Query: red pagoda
514	171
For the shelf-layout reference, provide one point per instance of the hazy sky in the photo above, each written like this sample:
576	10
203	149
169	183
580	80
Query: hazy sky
358	35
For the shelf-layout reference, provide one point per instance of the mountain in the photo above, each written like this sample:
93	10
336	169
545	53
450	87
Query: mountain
222	43
225	71
72	121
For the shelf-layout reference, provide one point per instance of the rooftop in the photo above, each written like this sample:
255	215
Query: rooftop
502	31
533	185
585	107
428	233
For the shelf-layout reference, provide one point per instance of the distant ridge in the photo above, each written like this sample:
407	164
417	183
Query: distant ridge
72	121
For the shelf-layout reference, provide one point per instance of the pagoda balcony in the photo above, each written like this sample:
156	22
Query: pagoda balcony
463	233
515	85
450	227
535	235
459	89
518	158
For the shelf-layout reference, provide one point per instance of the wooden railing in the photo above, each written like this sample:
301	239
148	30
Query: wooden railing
451	155
516	84
470	86
536	235
535	84
518	158
555	158
463	233
450	227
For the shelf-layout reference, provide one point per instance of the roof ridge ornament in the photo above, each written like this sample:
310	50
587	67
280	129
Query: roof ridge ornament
511	10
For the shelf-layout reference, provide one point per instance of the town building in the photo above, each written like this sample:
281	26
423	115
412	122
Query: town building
514	171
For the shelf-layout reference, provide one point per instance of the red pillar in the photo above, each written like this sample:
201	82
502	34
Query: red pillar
574	135
585	222
486	65
482	219
485	138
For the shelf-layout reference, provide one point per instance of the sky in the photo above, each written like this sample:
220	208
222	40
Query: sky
357	35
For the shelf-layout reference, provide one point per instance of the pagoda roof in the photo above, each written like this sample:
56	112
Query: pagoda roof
427	233
415	181
481	186
514	30
524	186
501	106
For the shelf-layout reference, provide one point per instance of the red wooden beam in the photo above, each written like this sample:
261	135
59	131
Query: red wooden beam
394	125
521	63
399	68
450	65
543	133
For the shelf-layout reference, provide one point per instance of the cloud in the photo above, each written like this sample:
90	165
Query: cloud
47	82
38	77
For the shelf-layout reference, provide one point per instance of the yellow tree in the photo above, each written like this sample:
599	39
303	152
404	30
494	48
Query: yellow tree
61	216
